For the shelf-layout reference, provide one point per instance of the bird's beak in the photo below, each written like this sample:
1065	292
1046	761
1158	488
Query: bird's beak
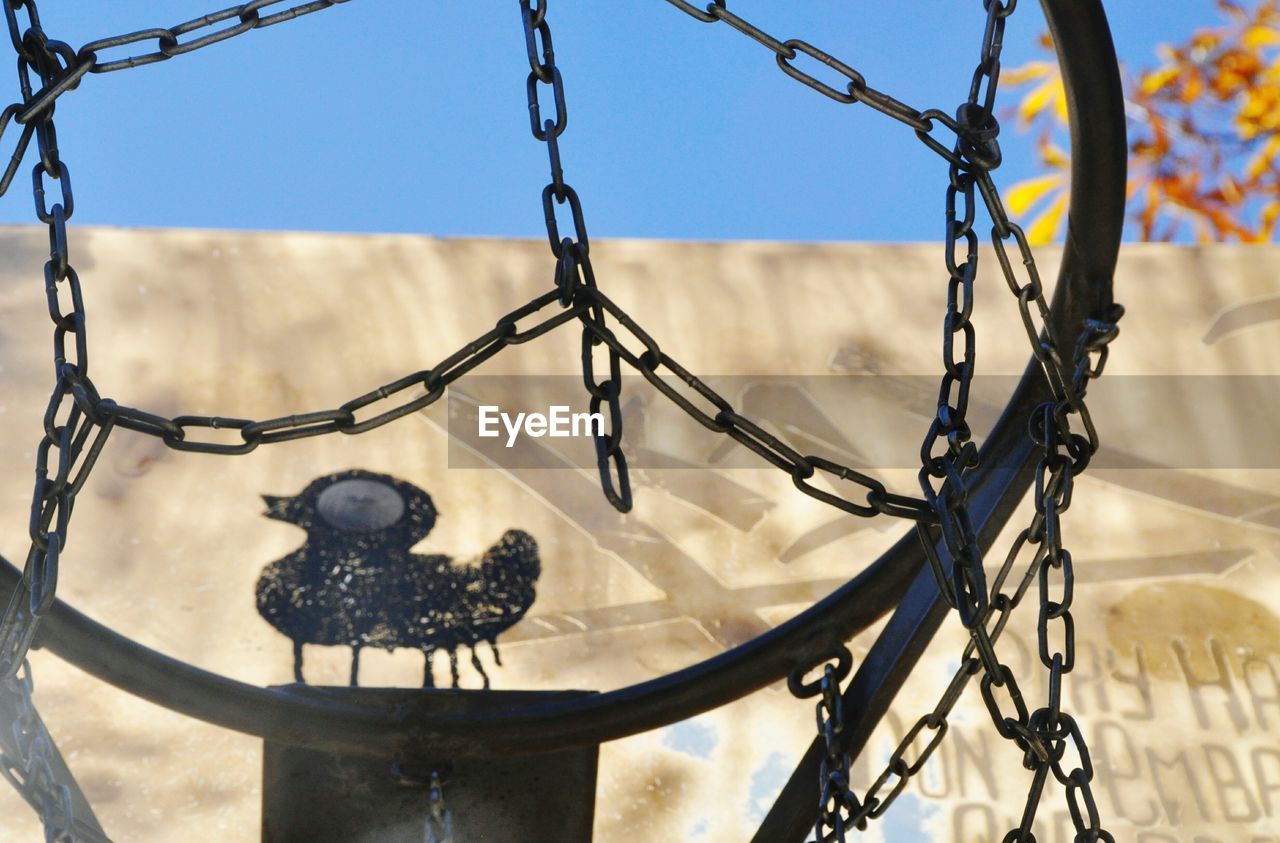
277	507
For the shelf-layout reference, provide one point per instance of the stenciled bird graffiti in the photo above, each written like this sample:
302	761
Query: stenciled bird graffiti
355	583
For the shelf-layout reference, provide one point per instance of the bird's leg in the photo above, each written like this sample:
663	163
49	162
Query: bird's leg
355	665
475	662
428	680
497	657
297	663
453	666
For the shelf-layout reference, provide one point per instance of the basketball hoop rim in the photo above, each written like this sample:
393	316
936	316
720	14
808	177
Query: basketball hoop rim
1095	221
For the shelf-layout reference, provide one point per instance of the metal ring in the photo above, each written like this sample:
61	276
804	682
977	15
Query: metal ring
1098	150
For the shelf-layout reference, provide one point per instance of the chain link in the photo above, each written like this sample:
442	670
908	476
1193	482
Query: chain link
856	89
574	280
838	807
948	454
73	438
573	255
1042	735
439	825
716	413
29	762
73	435
73	65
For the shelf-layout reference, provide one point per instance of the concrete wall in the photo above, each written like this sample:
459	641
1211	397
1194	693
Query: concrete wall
1174	534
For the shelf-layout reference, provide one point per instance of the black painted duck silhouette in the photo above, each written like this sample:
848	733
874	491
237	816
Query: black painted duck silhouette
354	582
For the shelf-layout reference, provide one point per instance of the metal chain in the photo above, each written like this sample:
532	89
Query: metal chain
1045	735
974	152
170	41
836	799
73	437
439	826
716	413
573	267
71	444
78	420
28	761
785	52
856	90
88	410
355	416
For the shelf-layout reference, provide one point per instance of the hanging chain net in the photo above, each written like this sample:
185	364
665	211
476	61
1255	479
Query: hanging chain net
78	419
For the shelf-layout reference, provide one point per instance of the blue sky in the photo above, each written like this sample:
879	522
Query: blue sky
410	116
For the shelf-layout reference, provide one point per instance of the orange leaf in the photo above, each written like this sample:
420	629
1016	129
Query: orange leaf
1205	40
1193	88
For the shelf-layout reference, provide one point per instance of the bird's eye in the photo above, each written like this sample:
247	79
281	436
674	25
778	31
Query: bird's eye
360	505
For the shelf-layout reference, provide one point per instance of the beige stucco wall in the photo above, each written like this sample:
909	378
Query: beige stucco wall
165	547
